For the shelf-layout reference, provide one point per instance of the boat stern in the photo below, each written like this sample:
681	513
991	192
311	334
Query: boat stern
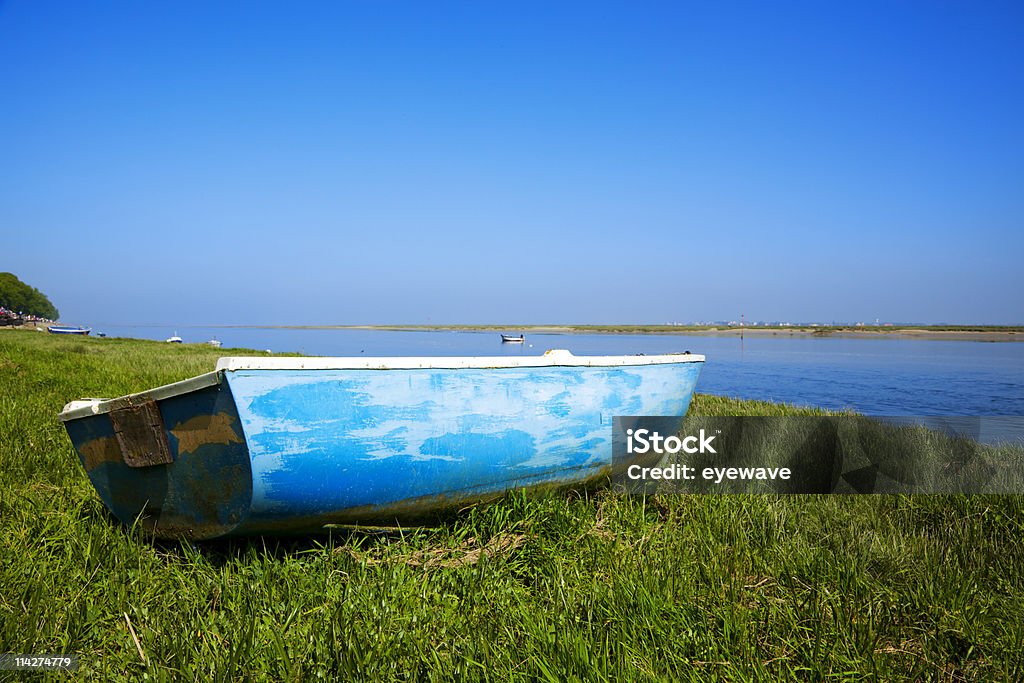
173	459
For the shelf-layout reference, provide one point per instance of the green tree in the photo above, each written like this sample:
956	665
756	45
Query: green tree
18	296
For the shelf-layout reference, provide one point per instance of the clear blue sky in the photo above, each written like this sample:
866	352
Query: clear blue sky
383	162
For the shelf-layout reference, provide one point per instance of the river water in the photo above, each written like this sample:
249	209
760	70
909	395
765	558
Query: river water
875	376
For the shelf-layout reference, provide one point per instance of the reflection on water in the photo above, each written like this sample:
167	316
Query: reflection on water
874	376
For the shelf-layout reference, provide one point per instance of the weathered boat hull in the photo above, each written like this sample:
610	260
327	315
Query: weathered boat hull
291	445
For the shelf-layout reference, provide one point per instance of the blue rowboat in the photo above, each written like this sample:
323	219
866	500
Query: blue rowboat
289	445
61	329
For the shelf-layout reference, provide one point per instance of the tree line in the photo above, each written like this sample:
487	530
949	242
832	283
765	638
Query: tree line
19	297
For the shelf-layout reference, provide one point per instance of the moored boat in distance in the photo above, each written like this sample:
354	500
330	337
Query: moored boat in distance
64	329
215	343
175	339
509	339
289	445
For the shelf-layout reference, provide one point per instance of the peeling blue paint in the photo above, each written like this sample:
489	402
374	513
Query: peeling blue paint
329	440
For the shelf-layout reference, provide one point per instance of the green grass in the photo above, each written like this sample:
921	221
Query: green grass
904	458
559	586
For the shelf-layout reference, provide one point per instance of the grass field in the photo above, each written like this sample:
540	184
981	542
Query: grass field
555	587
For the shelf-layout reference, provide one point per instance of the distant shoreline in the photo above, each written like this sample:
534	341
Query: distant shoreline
995	333
979	333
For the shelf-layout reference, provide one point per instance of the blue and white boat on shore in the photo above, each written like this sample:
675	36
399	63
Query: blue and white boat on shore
64	329
289	445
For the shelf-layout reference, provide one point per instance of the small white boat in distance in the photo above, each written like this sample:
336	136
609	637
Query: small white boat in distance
215	343
509	339
175	339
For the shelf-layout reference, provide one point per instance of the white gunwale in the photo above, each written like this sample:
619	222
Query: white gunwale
554	358
98	406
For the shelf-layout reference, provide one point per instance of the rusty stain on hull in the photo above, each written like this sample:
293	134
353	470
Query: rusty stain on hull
203	430
100	451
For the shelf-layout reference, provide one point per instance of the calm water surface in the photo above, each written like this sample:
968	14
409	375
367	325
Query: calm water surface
874	376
